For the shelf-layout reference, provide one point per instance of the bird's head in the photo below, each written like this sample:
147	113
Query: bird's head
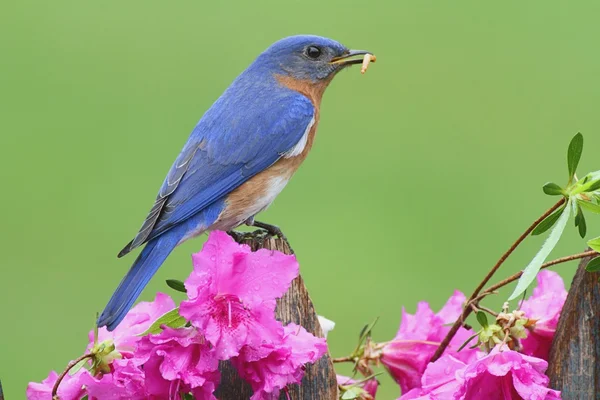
309	58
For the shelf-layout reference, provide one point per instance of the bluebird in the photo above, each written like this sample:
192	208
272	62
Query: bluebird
238	158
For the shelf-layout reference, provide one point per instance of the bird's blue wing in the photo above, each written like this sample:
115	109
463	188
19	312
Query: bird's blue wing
232	142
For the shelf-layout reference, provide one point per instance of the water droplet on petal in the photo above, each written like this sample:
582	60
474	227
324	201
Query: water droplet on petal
448	370
257	288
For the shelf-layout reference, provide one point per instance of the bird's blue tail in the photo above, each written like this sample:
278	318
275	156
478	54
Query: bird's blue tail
142	270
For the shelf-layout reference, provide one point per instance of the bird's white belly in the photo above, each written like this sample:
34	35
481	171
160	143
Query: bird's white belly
255	202
275	186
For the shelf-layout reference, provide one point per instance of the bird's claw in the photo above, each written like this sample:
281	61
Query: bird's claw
271	230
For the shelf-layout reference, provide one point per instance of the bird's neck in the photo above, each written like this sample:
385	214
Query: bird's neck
312	90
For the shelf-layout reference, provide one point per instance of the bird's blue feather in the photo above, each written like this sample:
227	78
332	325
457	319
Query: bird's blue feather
251	126
245	131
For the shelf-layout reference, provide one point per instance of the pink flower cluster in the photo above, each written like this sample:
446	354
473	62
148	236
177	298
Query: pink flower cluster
471	374
230	309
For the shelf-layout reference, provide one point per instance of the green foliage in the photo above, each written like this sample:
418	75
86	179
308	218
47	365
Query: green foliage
172	319
473	336
531	271
594	244
580	221
593	265
574	154
552	189
482	319
592	207
548	222
176	284
580	195
353	392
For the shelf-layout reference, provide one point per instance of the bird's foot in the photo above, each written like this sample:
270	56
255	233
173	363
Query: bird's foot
272	230
241	237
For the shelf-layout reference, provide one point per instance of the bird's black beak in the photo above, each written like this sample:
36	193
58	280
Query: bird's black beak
350	57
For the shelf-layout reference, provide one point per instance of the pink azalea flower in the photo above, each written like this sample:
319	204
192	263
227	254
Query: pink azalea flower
232	293
499	375
370	386
544	305
126	381
271	366
137	321
70	387
439	380
419	335
178	361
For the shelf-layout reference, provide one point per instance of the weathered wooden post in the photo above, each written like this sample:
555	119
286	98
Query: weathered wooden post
319	380
574	363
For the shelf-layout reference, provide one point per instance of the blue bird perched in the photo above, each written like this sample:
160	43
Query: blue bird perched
239	157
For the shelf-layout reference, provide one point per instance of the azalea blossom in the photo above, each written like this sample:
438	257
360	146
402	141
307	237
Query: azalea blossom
137	321
367	389
232	293
419	335
178	361
70	387
543	307
126	381
271	366
501	374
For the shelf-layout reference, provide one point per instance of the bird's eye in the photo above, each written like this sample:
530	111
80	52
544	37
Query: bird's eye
313	52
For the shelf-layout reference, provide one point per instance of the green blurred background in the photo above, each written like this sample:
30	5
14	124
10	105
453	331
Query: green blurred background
424	171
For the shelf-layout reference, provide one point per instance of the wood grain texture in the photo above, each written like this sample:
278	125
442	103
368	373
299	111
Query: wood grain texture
319	380
574	363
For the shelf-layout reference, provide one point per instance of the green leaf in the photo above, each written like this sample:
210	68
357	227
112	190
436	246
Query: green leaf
552	189
482	319
582	227
362	332
593	187
176	285
172	319
188	396
530	272
548	222
78	366
594	244
580	222
593	265
473	336
588	205
365	333
574	154
352	393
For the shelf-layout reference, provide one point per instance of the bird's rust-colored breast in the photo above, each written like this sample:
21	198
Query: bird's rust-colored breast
258	192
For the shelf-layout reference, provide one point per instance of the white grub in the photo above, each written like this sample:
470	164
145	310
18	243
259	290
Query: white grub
369	58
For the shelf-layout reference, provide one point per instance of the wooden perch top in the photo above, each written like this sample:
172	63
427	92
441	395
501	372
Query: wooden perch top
574	363
319	380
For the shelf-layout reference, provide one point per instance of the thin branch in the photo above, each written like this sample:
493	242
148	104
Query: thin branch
467	310
516	276
487	310
474	307
66	371
342	359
